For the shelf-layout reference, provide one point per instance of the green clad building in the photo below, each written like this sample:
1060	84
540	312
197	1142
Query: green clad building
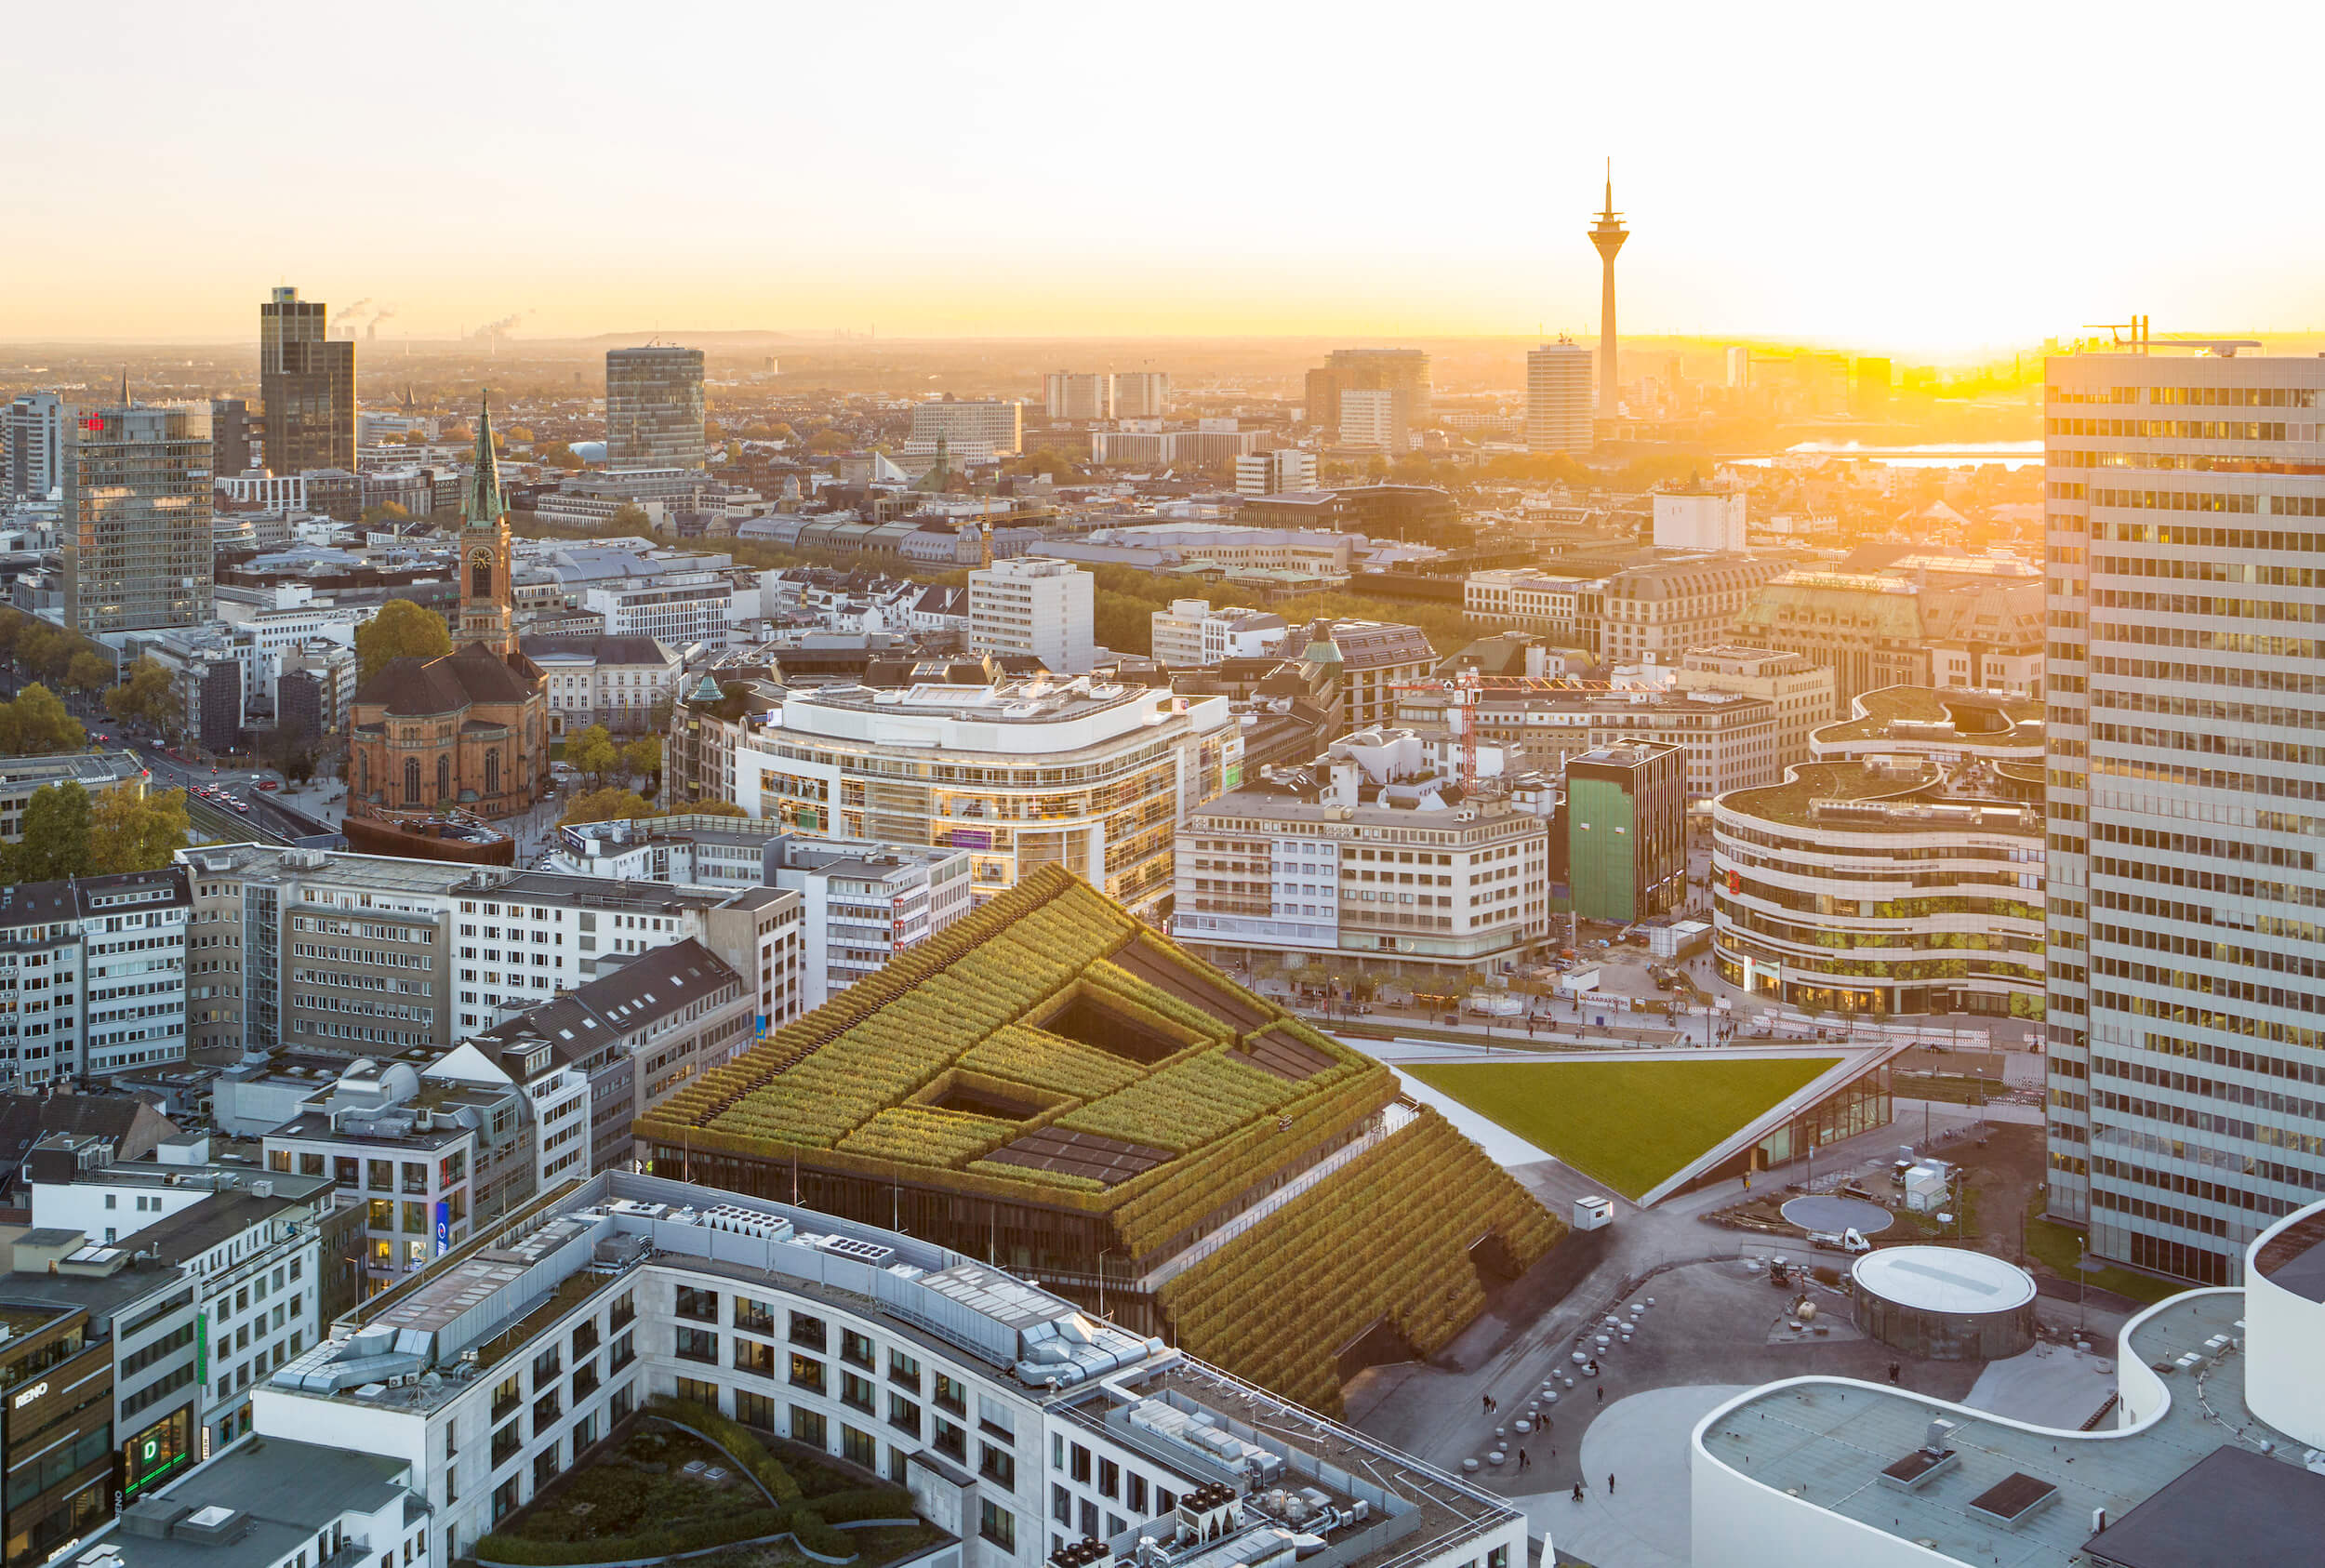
1626	830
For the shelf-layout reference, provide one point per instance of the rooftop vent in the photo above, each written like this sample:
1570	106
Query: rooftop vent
2015	1499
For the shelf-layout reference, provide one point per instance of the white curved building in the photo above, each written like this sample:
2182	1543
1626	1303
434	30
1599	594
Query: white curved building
2219	1412
1902	871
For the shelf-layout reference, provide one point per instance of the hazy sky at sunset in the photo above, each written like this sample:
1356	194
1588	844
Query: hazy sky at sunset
1908	177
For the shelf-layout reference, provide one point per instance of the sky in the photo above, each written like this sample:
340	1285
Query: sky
1901	177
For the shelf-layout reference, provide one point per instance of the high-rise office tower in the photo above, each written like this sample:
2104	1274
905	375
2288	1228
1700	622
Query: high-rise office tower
1739	368
1558	397
32	446
2185	1022
1079	394
1868	398
1404	371
307	383
230	437
135	525
1141	394
1607	235
654	408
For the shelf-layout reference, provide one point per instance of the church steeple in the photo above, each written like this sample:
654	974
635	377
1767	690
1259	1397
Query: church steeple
487	607
483	505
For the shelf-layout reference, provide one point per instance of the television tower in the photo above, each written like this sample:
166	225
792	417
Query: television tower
1607	235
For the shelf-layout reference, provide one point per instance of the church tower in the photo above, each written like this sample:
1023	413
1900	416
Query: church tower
487	615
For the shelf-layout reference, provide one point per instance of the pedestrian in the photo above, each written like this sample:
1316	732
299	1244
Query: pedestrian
1522	1460
1610	1483
1485	1405
1602	1393
1578	1492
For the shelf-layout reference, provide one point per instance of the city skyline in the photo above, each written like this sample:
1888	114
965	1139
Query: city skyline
1764	208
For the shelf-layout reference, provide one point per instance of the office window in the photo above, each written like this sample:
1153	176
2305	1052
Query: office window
807	1427
858	1448
997	1525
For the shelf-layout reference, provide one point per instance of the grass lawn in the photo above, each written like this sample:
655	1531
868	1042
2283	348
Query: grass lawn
1629	1124
2056	1248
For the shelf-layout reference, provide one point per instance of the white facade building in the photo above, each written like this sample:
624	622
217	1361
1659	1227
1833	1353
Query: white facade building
1016	1422
32	446
251	1242
92	976
1284	470
1192	633
1558	398
1376	416
677	607
613	681
1363	856
1036	605
1094	776
996	426
1700	517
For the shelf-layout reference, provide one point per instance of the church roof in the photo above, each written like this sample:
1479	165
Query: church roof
416	688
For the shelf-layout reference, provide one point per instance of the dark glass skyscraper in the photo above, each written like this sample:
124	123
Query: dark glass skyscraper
654	408
308	384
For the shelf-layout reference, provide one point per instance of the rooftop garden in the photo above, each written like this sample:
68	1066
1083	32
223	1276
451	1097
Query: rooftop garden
1047	1049
656	1489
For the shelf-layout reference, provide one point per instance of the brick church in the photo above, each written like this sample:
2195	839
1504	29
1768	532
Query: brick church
469	730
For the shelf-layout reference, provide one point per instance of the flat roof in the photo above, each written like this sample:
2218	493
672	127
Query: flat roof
2232	1509
1950	1280
1825	1440
2294	1260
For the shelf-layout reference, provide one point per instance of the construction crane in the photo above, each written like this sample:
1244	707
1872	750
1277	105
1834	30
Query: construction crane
1463	686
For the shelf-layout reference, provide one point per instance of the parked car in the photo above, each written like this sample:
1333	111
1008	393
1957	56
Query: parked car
268	784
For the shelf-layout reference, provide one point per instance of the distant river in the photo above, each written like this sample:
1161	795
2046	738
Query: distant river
2009	454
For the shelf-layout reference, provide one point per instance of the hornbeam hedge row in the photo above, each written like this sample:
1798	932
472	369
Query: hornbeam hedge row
1386	1238
1049	1061
834	1084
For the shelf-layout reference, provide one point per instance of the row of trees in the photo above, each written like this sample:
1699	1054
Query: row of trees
68	833
606	763
622	806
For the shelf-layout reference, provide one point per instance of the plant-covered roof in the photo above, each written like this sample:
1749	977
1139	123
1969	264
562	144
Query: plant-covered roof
1049	1048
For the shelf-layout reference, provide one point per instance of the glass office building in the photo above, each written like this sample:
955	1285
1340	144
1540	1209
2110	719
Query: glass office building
654	408
135	525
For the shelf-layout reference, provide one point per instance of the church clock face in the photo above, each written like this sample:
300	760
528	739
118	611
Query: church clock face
480	567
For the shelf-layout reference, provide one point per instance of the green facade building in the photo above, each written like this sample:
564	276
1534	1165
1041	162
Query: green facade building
1627	830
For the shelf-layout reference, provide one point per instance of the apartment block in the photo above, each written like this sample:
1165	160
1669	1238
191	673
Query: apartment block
1034	606
92	974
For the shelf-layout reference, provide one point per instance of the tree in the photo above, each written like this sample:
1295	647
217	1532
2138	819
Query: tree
12	624
44	650
56	835
401	629
36	724
133	831
148	695
87	673
630	514
605	805
595	753
644	756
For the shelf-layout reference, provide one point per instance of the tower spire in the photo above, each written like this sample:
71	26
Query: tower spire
1607	235
485	505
